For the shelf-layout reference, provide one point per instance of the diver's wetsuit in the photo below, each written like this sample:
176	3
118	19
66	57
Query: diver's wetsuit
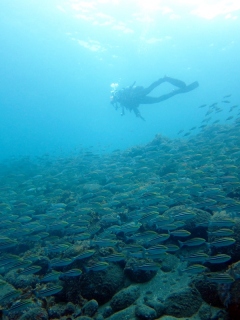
131	97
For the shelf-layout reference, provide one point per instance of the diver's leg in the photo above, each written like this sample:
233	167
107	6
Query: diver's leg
188	88
151	100
154	85
175	82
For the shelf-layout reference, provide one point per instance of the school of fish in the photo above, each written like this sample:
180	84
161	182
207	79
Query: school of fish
170	197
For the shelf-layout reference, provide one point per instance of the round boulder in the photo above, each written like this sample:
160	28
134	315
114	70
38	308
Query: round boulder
124	298
183	303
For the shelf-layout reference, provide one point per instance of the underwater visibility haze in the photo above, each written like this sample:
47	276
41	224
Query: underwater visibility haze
59	58
107	216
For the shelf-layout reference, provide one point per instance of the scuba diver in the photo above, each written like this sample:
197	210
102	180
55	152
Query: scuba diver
132	96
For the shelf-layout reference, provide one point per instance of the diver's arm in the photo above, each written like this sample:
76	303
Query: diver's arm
132	85
115	104
137	113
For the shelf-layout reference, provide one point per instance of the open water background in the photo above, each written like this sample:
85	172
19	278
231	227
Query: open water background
59	58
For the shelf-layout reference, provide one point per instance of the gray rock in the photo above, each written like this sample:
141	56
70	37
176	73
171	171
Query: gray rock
125	298
205	312
21	281
170	318
126	314
234	250
135	275
69	308
107	312
90	308
57	310
144	312
183	303
35	313
201	216
169	263
61	309
100	286
156	305
224	315
208	291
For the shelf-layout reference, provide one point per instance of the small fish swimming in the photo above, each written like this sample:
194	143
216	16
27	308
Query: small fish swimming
195	269
227	222
159	239
219	258
51	277
180	131
151	266
57	248
82	236
104	243
226	101
222	242
224	232
19	306
8	297
98	266
30	270
158	249
85	254
6	243
192	242
183	216
19	264
115	257
221	278
72	273
57	263
49	291
172	247
199	257
180	233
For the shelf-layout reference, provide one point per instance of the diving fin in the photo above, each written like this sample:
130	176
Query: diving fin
190	87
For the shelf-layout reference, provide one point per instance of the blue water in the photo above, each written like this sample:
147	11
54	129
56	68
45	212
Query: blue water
59	58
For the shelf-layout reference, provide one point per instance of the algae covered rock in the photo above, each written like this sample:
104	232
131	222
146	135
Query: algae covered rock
100	286
208	291
61	309
126	314
183	303
90	308
35	313
125	298
144	312
169	263
107	312
136	274
205	312
156	305
20	281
